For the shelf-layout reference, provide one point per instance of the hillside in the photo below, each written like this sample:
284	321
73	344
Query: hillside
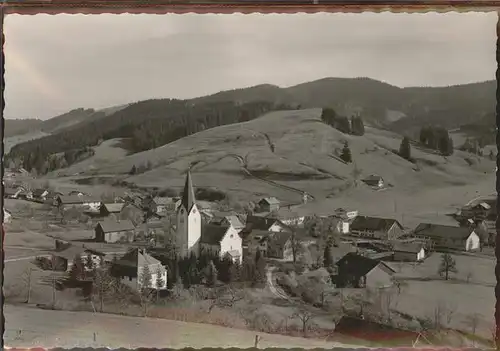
303	160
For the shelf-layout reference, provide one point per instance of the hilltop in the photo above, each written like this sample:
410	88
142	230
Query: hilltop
237	159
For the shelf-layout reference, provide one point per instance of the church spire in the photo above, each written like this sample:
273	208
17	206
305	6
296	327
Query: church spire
188	199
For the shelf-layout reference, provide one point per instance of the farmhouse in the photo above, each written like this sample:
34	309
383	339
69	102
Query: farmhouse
222	240
40	194
164	204
376	228
107	209
77	201
268	204
254	241
374	181
409	252
480	210
65	256
449	237
114	231
279	245
358	272
135	265
264	223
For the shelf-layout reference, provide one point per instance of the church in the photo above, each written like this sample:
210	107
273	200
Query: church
193	235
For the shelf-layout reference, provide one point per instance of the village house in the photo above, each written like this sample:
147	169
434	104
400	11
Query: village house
7	216
409	252
40	195
64	256
279	245
164	204
375	181
77	193
110	231
254	241
222	239
357	271
131	269
376	228
449	237
77	201
480	210
268	204
107	209
271	224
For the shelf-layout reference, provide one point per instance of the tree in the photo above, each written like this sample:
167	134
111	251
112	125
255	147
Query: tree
145	279
346	153
328	116
473	322
492	155
160	282
77	270
328	261
305	318
89	262
405	148
211	274
260	270
27	275
133	170
447	266
102	282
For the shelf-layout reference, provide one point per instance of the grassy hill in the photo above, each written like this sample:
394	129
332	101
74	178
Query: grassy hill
238	160
20	126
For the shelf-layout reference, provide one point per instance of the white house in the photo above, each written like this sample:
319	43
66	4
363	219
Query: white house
131	268
7	216
374	181
224	239
189	221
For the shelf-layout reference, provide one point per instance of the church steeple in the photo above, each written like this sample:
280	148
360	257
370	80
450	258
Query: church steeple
188	199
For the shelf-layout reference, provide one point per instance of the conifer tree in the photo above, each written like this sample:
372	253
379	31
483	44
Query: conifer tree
346	153
405	148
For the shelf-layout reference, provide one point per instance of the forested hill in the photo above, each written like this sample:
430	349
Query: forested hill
152	123
144	125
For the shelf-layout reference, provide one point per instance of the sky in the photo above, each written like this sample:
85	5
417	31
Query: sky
57	63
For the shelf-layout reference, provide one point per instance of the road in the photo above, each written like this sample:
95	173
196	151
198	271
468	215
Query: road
271	283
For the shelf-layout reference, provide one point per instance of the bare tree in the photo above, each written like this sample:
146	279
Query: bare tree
447	266
102	282
438	316
449	312
226	296
305	318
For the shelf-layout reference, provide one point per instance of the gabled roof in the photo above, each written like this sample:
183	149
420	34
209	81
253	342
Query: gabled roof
408	247
213	234
71	199
279	238
114	207
115	226
443	231
373	223
260	223
163	200
188	199
39	192
137	258
72	251
358	265
232	219
373	178
270	200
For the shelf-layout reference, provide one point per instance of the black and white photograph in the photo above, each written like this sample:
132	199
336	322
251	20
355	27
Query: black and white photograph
256	180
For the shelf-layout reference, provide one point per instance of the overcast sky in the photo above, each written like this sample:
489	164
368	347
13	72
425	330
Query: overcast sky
57	63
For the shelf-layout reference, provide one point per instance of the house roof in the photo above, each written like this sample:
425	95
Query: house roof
188	199
71	199
162	200
38	192
10	191
270	200
358	265
408	247
232	219
373	178
213	234
115	226
260	223
443	231
373	223
114	207
137	258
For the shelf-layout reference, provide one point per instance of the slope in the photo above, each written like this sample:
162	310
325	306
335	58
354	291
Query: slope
239	160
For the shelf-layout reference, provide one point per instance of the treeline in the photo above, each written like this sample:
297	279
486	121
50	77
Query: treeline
144	125
353	125
437	138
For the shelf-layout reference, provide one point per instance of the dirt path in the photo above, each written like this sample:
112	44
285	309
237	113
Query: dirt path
29	327
275	290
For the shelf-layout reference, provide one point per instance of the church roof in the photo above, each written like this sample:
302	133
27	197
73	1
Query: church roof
188	199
